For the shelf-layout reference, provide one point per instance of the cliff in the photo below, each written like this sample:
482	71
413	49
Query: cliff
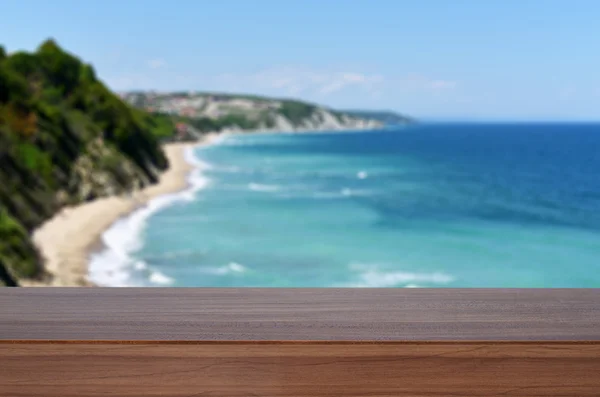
387	118
203	112
64	139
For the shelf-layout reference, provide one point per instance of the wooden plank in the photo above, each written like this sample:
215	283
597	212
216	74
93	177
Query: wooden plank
300	314
300	369
298	342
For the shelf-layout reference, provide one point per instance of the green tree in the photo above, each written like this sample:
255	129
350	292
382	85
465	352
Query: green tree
61	68
296	111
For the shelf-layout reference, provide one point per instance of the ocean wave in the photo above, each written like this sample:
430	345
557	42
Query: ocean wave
232	140
257	187
115	265
140	265
362	175
311	195
221	138
372	276
230	268
230	169
326	195
177	255
356	192
159	278
320	195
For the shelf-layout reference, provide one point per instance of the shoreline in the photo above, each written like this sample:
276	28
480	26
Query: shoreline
67	240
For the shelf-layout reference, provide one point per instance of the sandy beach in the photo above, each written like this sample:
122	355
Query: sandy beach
66	240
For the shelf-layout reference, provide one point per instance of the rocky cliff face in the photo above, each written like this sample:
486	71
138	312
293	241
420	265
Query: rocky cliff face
64	139
218	112
321	120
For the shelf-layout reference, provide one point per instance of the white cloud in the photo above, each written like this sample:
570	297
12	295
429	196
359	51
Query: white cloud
122	83
354	77
342	80
283	82
130	82
337	87
419	82
332	87
442	84
156	63
290	80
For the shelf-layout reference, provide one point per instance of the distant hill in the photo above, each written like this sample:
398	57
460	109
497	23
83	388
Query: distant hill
385	117
204	112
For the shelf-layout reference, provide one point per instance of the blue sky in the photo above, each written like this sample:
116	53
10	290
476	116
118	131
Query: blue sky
439	59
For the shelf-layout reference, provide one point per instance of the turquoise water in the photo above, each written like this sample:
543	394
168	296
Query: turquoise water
437	205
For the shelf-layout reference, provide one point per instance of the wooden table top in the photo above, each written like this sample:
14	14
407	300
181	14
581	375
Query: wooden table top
247	314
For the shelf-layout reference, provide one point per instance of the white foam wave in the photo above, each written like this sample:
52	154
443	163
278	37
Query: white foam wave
311	194
140	265
194	160
220	138
325	195
160	279
230	268
371	276
315	195
362	175
227	139
114	265
232	169
178	254
355	192
257	187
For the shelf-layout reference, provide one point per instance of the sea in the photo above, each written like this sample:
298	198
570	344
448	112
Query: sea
426	205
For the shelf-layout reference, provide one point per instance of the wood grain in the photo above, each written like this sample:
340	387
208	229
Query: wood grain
300	369
221	314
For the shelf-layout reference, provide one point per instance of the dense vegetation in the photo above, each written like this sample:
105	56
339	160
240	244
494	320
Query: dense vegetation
296	111
238	121
388	118
162	126
64	139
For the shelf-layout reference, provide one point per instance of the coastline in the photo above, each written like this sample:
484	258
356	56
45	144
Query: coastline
66	240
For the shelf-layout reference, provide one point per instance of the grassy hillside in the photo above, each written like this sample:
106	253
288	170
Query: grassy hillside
205	112
64	139
388	118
